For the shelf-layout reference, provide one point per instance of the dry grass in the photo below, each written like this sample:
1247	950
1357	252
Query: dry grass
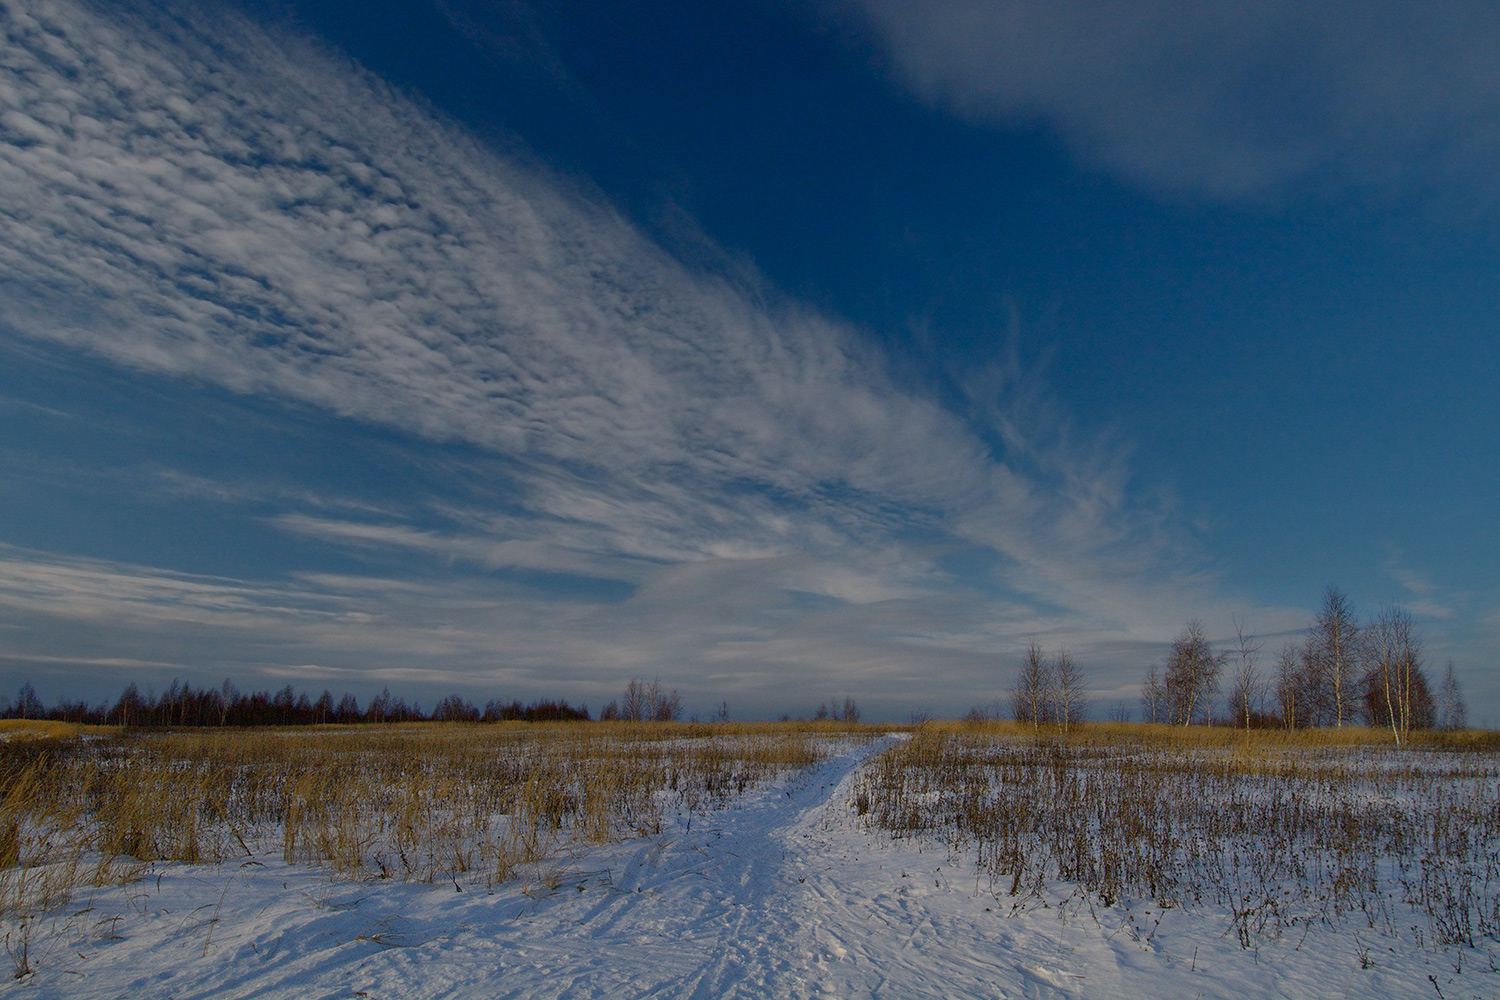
1229	736
1282	830
418	802
44	729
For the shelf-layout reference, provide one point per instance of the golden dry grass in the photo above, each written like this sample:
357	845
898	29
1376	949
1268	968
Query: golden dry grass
44	729
1158	734
420	802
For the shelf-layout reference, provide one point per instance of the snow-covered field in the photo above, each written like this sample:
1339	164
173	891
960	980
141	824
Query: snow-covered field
784	893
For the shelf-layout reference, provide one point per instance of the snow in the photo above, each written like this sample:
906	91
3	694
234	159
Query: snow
785	893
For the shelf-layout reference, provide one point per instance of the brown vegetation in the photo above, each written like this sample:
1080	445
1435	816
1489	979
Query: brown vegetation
1281	828
424	802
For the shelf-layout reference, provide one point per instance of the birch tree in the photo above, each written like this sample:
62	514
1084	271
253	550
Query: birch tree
1334	650
1153	696
1030	699
1245	692
1067	689
1396	690
1192	675
1289	685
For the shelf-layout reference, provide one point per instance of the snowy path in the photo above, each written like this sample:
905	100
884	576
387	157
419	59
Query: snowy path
755	904
781	895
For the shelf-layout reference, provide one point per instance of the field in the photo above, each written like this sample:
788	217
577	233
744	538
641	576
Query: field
776	860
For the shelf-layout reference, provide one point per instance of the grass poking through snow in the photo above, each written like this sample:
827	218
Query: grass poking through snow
1280	830
427	803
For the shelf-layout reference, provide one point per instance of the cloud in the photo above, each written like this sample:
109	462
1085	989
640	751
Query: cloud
182	193
1413	581
95	662
479	549
239	213
715	628
97	591
1224	100
1423	597
100	612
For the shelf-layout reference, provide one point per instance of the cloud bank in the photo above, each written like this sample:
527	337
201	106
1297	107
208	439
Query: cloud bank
1223	100
248	211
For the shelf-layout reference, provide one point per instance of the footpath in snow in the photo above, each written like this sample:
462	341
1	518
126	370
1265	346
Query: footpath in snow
783	894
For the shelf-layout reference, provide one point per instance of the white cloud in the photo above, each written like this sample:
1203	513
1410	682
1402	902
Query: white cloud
1423	597
100	592
245	217
715	628
1415	583
1223	99
96	662
1431	609
257	214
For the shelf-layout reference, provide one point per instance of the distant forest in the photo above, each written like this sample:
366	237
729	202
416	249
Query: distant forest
182	705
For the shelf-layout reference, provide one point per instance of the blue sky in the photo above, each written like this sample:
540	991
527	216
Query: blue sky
780	350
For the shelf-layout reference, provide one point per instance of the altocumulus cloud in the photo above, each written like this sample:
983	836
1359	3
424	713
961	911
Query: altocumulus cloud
249	211
1228	100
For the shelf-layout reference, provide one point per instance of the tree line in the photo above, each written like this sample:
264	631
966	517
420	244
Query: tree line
183	706
1342	672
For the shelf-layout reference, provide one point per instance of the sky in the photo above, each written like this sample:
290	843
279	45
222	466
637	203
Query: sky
785	351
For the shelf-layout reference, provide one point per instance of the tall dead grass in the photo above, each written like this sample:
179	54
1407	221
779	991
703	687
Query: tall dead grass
1281	830
467	804
1162	734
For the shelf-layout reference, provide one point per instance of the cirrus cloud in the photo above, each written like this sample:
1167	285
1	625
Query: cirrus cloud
230	207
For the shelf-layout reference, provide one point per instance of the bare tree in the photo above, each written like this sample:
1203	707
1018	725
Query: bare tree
228	694
648	702
1029	697
1333	651
1452	712
1288	685
1153	696
977	714
1383	642
1193	670
1067	694
1245	693
665	707
633	705
1396	690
